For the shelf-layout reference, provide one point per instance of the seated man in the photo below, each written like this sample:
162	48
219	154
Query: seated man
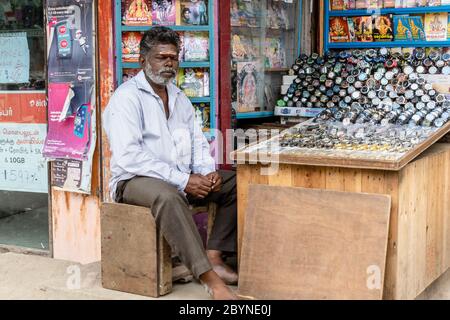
161	160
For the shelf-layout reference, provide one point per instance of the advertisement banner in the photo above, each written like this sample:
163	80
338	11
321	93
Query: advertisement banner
69	138
22	133
70	43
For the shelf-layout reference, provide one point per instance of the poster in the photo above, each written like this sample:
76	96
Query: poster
136	12
15	58
71	50
248	86
22	134
70	137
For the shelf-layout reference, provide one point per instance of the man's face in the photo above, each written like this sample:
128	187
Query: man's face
161	63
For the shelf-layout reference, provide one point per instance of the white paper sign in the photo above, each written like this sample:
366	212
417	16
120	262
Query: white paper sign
14	58
22	166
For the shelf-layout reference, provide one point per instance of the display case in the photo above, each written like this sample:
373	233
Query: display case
265	40
407	24
194	21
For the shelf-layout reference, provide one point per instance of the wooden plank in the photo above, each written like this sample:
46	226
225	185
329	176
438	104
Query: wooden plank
129	249
281	177
242	181
164	265
391	185
334	179
423	242
106	83
352	180
319	246
321	27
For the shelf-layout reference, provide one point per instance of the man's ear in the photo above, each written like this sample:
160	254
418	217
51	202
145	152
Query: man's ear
142	60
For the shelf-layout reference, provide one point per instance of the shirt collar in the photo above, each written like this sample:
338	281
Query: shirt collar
142	83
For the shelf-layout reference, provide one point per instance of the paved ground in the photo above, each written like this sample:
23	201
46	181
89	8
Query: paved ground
33	277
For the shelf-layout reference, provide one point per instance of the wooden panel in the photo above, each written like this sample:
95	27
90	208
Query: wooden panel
391	186
321	26
314	244
106	82
423	222
164	265
76	227
129	250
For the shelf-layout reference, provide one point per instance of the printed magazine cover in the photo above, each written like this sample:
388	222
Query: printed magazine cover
339	29
361	4
195	46
275	55
389	4
416	27
247	86
130	46
436	26
193	12
363	29
383	29
136	13
402	31
192	82
351	30
338	5
164	12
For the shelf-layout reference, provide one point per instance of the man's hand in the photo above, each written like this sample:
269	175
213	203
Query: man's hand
216	179
198	186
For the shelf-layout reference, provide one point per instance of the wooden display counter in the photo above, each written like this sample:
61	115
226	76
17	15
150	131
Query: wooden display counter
419	230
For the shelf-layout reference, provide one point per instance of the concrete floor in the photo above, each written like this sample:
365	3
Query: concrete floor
39	278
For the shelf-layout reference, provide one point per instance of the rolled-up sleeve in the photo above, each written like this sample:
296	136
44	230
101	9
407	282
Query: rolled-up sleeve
123	126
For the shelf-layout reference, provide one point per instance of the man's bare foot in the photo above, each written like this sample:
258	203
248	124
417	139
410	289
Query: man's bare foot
223	293
228	275
216	287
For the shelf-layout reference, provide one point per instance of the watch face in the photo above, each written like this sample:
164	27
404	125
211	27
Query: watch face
432	70
409	94
408	70
420	69
371	94
419	93
428	86
440	63
425	98
427	63
356	95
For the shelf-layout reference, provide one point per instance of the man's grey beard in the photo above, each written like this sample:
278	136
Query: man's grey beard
157	78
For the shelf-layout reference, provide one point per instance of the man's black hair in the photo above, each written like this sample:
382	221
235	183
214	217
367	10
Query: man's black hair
158	35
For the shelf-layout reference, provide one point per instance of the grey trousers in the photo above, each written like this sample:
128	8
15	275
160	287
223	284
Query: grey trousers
174	218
